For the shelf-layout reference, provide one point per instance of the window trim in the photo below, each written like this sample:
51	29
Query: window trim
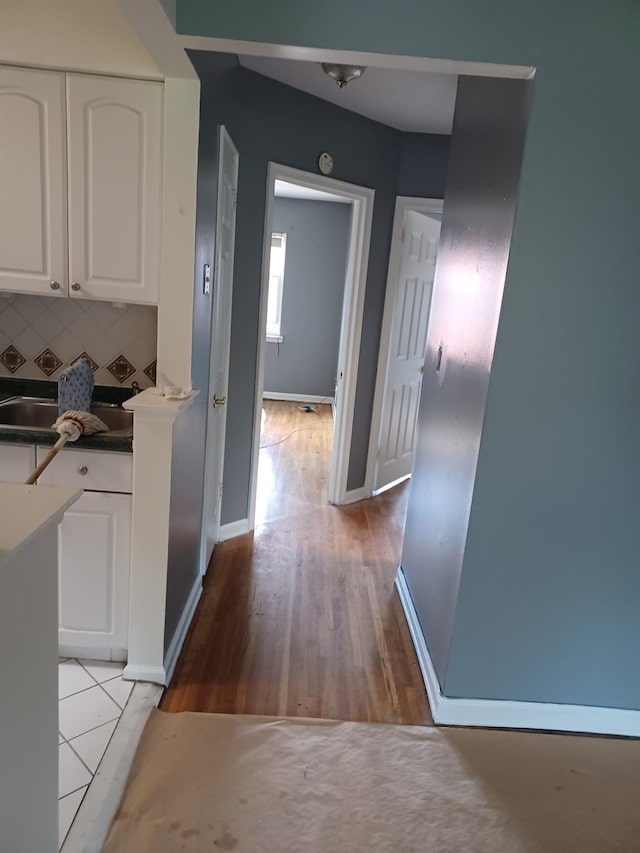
274	331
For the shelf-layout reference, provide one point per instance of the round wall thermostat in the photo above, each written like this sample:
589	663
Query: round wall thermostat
325	163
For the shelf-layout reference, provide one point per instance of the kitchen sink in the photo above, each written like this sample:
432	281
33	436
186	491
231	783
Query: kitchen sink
38	413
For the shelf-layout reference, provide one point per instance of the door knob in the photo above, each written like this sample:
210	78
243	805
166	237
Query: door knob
219	401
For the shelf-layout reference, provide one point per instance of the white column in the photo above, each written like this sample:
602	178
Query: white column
29	518
154	417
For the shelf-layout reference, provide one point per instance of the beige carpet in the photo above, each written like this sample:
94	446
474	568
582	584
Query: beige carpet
207	782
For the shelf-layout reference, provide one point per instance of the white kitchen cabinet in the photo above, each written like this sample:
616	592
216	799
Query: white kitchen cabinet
33	222
17	461
94	560
80	185
114	144
94	552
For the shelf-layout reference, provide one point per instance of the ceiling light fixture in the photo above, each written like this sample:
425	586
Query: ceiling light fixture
342	74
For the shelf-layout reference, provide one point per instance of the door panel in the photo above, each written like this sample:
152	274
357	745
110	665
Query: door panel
407	349
115	130
94	567
32	197
221	340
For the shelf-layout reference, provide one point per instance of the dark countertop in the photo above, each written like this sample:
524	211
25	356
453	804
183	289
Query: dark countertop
35	388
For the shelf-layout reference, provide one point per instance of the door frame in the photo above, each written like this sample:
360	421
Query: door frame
403	205
208	498
362	199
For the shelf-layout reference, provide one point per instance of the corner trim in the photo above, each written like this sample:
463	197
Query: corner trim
355	495
353	57
175	647
296	398
91	653
154	674
422	652
233	529
507	714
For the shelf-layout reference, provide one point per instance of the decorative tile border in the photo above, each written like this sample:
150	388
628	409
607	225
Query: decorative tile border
150	371
12	359
92	364
48	362
121	369
40	336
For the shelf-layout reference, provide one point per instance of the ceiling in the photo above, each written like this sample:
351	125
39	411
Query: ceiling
414	101
286	190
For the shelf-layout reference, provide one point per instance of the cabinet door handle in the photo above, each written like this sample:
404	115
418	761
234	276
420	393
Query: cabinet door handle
75	286
54	285
219	401
83	470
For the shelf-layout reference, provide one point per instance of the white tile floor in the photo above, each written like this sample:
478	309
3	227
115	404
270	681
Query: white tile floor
92	696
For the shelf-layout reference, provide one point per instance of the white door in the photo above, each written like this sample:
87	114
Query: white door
114	145
94	548
32	194
220	340
407	349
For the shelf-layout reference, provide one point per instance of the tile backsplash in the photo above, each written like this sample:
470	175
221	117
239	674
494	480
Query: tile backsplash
40	336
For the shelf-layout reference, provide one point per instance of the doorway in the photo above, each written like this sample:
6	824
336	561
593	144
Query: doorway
361	202
307	272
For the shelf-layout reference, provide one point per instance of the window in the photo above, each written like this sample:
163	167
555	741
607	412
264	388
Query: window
276	281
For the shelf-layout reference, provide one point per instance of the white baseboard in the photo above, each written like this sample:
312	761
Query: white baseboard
354	496
233	528
175	647
506	714
296	398
140	672
91	653
391	485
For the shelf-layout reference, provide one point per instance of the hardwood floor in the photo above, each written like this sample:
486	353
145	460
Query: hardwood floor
301	618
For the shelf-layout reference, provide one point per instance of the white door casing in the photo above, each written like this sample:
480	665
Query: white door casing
220	340
409	300
362	201
33	230
115	170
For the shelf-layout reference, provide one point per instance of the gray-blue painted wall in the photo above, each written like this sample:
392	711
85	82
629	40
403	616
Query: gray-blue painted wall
480	203
270	121
187	471
314	277
552	553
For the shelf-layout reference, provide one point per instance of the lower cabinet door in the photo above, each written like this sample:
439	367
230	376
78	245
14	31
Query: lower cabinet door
94	568
17	461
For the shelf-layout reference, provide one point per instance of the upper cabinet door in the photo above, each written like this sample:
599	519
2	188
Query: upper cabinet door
114	130
32	178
